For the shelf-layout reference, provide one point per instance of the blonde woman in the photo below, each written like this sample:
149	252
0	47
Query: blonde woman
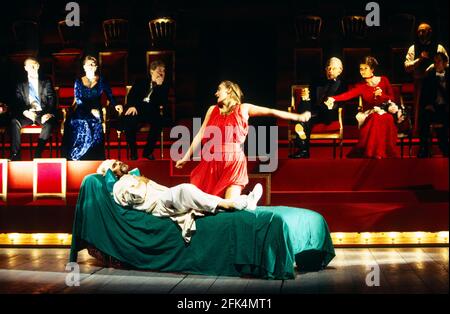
226	174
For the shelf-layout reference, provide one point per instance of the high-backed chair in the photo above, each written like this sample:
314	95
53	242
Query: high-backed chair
354	27
320	131
115	32
65	68
351	57
308	27
307	63
162	32
114	67
72	37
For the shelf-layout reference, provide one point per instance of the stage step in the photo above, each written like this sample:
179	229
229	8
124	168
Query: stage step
333	197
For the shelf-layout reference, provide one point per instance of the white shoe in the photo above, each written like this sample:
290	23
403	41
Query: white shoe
254	196
240	202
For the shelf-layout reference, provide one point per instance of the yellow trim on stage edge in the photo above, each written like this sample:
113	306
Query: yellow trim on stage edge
363	239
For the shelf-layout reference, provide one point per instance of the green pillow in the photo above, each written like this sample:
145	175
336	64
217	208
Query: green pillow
111	178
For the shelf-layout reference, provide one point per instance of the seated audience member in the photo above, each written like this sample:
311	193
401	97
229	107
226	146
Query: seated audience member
320	91
181	202
378	130
147	102
34	104
83	131
434	106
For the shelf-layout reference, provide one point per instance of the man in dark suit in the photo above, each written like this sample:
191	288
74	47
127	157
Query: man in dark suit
35	104
147	102
434	105
314	104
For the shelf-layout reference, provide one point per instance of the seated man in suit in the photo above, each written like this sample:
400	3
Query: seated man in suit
315	105
35	103
434	105
147	102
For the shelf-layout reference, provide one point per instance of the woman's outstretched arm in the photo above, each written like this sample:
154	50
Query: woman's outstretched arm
258	111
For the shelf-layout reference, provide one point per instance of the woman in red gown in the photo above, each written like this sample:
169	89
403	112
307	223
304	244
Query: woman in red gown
222	170
378	132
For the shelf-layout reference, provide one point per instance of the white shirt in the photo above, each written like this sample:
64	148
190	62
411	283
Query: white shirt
411	63
35	83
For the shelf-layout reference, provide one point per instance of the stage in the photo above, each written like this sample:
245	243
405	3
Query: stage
402	270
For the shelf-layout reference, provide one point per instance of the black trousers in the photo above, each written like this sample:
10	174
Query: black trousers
18	123
130	124
427	117
322	116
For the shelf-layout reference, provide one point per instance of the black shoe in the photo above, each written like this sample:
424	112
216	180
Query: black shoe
15	157
149	157
300	154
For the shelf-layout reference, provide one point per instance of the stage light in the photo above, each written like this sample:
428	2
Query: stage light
419	236
393	236
340	236
443	235
37	237
62	237
366	236
13	237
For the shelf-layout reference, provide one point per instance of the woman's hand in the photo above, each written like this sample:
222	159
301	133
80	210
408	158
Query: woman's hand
378	110
119	109
393	108
131	111
180	163
303	117
378	92
329	103
95	113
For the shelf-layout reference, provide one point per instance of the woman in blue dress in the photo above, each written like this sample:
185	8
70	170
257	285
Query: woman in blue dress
83	131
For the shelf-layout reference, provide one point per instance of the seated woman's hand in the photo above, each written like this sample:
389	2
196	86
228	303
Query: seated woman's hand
378	110
393	108
96	113
131	111
329	103
378	92
119	109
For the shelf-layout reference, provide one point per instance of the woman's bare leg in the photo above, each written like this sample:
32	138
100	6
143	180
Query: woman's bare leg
233	191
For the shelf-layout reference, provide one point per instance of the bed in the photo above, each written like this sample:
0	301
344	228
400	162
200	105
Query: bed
266	243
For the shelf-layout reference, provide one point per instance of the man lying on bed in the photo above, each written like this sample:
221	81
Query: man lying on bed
182	203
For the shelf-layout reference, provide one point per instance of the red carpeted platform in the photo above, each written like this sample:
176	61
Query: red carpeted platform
354	195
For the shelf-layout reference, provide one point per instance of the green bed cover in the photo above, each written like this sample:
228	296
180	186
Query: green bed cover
265	243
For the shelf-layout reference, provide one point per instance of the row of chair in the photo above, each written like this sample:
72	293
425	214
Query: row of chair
354	27
115	32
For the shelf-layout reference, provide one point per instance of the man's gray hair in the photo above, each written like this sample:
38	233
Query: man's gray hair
105	165
336	60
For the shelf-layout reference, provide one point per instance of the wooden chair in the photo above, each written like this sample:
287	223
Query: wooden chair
36	130
308	27
162	32
26	35
71	37
115	32
320	131
354	27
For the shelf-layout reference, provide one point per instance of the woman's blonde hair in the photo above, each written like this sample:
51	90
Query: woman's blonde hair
236	92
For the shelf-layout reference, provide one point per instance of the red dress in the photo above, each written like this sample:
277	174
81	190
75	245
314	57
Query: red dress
223	161
378	134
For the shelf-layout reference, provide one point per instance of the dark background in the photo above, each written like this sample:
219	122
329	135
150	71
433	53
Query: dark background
248	41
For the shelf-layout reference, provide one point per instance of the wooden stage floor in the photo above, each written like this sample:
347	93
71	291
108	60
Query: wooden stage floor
402	270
